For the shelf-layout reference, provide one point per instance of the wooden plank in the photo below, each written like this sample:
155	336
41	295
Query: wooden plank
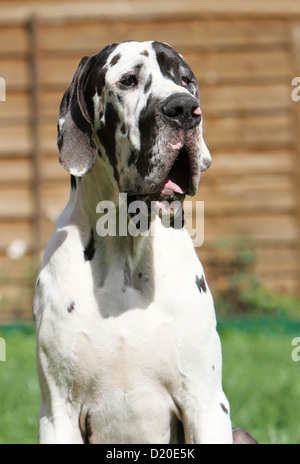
16	108
49	138
67	67
248	195
50	103
263	228
266	162
12	230
270	131
218	100
15	303
149	10
286	284
55	197
233	67
16	73
184	35
22	271
15	171
268	260
16	203
277	262
15	141
13	41
36	89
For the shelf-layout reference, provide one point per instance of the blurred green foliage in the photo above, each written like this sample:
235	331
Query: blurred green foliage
243	295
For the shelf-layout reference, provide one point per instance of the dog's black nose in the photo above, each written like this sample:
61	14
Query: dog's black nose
182	111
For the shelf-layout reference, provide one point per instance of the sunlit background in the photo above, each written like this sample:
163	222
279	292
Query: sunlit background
245	55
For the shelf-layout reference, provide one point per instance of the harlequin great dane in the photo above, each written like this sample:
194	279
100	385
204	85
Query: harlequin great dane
127	347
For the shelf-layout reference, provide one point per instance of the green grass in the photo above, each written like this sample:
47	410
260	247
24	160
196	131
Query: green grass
19	389
260	380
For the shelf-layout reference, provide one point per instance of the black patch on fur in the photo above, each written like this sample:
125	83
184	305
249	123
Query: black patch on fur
148	130
224	408
148	84
172	65
96	78
127	275
73	182
133	158
107	136
115	60
71	307
90	250
168	59
200	282
88	429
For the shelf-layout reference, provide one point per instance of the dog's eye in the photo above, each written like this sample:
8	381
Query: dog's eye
129	81
186	81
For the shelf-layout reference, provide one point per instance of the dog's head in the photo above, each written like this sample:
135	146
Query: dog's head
136	105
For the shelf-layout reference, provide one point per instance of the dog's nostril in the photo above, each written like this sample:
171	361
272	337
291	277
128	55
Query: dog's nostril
197	112
173	111
182	111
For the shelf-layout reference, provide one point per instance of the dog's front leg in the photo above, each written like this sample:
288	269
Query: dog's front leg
58	424
207	421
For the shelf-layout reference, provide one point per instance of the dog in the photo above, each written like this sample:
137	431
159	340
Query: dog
127	347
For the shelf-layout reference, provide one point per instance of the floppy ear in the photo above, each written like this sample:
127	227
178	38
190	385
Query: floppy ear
76	142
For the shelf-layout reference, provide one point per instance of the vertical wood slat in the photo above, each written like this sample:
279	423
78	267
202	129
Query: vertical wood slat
295	52
35	89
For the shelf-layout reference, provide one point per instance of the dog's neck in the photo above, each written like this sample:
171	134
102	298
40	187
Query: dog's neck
99	189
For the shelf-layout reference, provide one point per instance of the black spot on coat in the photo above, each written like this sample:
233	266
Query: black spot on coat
115	60
90	250
71	307
107	136
148	84
73	182
224	408
88	429
201	284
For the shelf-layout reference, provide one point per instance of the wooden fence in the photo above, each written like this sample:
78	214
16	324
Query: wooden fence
245	55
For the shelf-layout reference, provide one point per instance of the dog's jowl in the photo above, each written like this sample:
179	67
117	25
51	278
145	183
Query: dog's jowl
127	347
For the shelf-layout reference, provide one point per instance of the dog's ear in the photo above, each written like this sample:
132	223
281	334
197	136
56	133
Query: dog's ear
76	141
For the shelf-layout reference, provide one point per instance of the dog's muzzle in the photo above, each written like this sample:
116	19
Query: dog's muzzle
182	111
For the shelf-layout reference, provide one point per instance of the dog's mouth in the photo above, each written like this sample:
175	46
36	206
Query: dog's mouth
178	179
178	183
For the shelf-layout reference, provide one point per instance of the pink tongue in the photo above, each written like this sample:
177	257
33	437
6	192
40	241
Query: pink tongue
170	187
